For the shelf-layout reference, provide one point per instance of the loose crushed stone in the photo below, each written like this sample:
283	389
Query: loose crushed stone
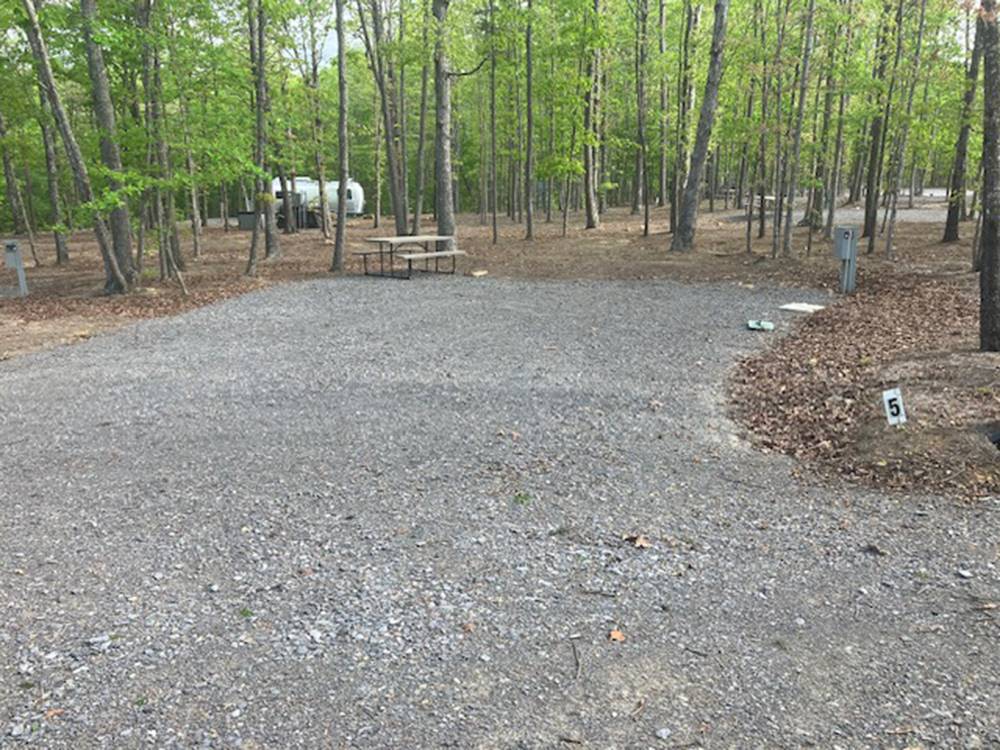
378	514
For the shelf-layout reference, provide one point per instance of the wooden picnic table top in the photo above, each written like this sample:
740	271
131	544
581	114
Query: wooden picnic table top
405	239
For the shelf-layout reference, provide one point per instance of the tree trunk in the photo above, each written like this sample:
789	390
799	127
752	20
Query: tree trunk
900	155
989	274
286	200
115	279
529	131
877	136
683	103
442	135
168	218
418	205
375	43
786	245
494	177
272	243
833	191
663	118
688	213
196	214
104	113
376	151
10	181
780	163
642	16
317	120
765	95
342	165
956	188
52	178
256	53
590	115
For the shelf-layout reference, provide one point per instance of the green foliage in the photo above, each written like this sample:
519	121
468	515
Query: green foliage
202	49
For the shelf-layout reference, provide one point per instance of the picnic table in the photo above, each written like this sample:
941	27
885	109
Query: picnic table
388	250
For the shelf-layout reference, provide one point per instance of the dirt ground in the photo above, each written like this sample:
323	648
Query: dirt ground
815	394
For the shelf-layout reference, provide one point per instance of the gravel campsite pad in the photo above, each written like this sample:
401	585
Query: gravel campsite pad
458	513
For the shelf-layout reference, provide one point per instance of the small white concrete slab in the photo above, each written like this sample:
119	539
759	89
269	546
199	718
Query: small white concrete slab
801	307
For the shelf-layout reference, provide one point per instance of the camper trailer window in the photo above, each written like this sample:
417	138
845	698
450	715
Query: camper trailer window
349	196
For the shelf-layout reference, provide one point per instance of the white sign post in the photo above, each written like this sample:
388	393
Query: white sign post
12	259
892	400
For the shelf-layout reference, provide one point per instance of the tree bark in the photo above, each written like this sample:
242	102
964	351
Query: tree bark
375	42
342	165
115	279
445	211
272	242
956	188
121	231
418	203
590	114
786	245
879	123
642	15
256	53
663	117
494	177
900	155
989	274
529	128
172	262
688	213
10	181
52	178
683	104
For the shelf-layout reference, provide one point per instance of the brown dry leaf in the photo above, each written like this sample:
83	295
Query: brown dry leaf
616	635
53	713
469	627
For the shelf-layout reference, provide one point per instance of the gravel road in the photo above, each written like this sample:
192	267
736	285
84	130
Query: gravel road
378	514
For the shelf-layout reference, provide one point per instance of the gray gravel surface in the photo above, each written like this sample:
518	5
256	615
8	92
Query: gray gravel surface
378	514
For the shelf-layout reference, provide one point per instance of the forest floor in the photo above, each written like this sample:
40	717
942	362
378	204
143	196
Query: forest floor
815	394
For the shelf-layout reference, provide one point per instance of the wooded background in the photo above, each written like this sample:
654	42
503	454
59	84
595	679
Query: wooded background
180	110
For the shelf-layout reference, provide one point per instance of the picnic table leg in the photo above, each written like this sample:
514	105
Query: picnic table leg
381	260
364	260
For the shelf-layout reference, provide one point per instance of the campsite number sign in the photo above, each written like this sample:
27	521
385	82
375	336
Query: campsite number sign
892	400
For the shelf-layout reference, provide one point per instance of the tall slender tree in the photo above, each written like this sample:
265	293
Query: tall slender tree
445	208
342	166
989	274
115	279
956	185
529	158
786	247
688	212
121	232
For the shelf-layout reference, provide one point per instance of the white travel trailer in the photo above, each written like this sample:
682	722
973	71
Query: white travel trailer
308	188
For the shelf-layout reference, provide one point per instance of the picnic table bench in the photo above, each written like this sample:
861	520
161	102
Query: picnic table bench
388	250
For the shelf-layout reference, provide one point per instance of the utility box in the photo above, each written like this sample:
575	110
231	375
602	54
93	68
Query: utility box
13	260
845	247
246	220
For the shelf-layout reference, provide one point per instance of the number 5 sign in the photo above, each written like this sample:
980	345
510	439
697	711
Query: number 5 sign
892	400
